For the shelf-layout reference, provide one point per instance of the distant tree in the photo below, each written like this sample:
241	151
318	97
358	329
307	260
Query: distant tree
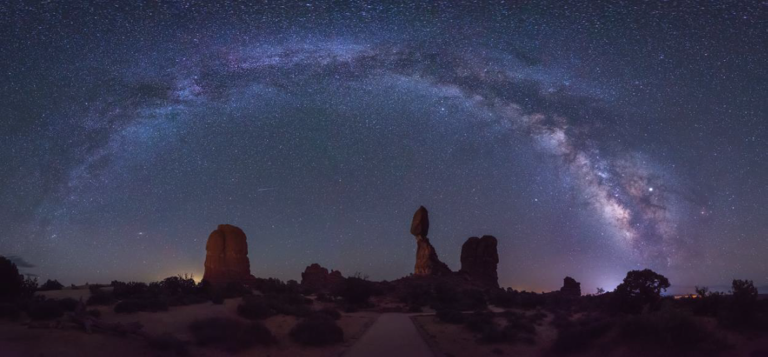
600	291
11	282
702	291
51	285
640	288
744	291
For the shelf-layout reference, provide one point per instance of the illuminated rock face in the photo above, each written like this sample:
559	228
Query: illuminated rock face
226	258
427	262
479	260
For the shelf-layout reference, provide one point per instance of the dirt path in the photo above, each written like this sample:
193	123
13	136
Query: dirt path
391	335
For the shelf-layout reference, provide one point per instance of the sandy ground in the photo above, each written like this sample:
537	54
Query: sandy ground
456	341
16	339
393	334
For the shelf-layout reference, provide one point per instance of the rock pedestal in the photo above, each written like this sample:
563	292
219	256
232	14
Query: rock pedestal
427	262
226	258
571	287
479	260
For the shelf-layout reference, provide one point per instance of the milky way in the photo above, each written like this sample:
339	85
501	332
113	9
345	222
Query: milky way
589	141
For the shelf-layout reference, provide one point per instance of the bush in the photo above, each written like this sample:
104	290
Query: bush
95	313
330	312
68	304
100	297
11	282
230	334
450	316
121	290
355	291
9	311
669	330
217	299
133	306
44	309
318	330
479	321
168	342
51	285
639	288
579	337
255	308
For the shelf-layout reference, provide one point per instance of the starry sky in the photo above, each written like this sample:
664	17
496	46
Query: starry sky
591	138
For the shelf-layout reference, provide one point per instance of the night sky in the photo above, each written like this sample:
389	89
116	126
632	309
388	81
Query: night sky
590	139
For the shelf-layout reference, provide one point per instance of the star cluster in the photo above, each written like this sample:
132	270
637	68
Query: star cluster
589	137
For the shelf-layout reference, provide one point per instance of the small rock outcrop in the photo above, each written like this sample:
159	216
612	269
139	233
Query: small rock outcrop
479	260
226	258
571	287
427	262
318	279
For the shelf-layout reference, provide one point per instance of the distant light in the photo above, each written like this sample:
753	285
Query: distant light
650	189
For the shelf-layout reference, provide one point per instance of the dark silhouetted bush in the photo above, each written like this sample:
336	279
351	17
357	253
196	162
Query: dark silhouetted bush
318	330
68	304
578	337
479	321
168	343
230	334
355	291
100	297
640	288
255	308
129	290
217	299
95	313
330	312
11	282
51	285
450	316
9	311
668	330
44	309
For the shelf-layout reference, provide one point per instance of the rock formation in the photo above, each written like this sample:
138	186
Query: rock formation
318	279
226	258
479	259
571	287
427	262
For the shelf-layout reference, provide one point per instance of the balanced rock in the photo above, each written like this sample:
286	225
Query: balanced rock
226	258
427	262
571	287
479	260
318	279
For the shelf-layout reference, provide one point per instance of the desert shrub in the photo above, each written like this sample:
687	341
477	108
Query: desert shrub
479	321
472	299
217	299
255	308
234	289
578	337
179	285
51	285
230	334
323	297
450	316
444	296
412	308
505	298
330	312
133	306
639	288
11	282
95	313
669	330
355	290
9	311
530	300
68	304
169	343
415	294
95	287
318	330
121	290
100	297
44	309
742	310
